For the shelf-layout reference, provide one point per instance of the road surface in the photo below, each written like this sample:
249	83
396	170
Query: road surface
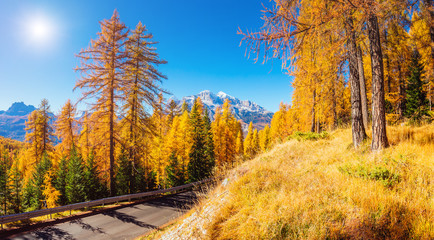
123	223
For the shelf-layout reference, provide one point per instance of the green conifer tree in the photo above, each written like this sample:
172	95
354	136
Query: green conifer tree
75	181
123	175
33	197
198	159
15	188
94	188
416	101
4	190
175	175
209	145
60	180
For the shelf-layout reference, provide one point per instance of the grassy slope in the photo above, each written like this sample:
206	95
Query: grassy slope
325	190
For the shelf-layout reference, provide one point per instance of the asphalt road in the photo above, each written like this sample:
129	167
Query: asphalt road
123	223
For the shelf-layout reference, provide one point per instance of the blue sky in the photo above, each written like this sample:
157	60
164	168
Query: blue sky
198	39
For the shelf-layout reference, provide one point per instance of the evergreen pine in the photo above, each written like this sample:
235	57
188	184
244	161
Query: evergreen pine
209	145
15	188
416	96
175	175
60	180
4	190
33	193
123	175
197	163
94	189
75	181
150	179
140	178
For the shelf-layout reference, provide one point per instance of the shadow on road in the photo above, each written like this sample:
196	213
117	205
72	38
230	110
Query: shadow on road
49	233
180	202
128	219
86	226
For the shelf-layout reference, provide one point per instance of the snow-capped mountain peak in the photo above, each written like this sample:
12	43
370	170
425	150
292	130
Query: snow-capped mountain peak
244	110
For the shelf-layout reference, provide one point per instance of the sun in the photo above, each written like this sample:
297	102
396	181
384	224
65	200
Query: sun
39	30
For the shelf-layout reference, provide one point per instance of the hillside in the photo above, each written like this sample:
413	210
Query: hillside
304	189
244	110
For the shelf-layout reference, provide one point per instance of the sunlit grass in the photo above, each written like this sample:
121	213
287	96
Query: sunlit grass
324	189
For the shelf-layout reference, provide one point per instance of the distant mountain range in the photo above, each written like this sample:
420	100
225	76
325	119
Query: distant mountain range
244	110
12	121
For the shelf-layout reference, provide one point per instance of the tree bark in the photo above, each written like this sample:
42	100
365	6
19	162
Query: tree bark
363	96
430	4
312	128
379	137
387	64
335	115
358	130
111	117
401	90
112	144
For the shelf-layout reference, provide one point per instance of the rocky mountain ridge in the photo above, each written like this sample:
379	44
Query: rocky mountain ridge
244	110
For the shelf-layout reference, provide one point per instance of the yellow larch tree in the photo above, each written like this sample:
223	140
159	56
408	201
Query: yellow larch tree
225	132
66	128
255	143
249	150
101	69
50	193
265	138
141	90
158	154
39	137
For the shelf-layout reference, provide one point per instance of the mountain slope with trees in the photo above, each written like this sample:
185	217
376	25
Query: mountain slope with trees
334	192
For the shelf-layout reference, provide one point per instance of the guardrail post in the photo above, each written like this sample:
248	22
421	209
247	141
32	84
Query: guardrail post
50	216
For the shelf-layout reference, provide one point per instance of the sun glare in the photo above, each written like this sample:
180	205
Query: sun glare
39	31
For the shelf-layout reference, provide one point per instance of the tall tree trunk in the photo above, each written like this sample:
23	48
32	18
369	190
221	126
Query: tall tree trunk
112	145
358	130
111	120
379	137
430	4
335	115
363	95
386	56
312	127
401	90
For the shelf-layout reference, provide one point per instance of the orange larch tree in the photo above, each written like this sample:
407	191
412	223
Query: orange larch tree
102	78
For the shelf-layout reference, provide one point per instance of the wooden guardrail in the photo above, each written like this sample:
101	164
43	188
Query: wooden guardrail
48	211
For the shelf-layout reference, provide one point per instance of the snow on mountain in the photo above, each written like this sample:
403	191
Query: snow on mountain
244	110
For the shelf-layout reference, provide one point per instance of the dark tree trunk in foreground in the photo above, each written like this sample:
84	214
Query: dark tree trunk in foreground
363	96
430	3
358	130
379	137
401	90
312	127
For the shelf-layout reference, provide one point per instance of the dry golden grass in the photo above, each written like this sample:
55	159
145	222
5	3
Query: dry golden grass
326	190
